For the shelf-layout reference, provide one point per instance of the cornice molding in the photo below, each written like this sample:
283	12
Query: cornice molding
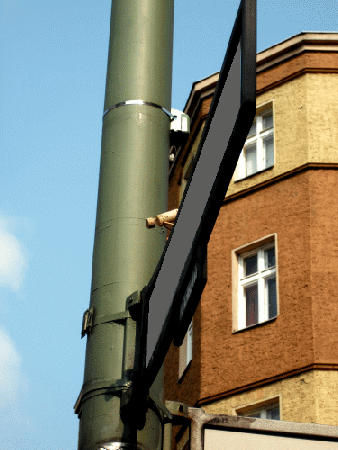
295	66
290	173
322	43
295	45
200	89
213	398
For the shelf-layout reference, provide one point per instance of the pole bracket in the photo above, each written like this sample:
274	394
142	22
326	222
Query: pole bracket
133	311
87	322
99	387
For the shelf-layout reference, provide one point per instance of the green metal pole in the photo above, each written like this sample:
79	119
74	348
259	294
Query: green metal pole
132	187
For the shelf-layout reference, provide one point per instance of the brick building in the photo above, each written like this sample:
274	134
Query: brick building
264	340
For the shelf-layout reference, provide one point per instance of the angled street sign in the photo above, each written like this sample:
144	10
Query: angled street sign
174	291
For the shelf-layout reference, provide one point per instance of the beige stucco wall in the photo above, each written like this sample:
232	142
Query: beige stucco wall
326	383
311	397
322	115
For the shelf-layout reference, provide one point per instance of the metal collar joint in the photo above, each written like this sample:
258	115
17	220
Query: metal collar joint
139	102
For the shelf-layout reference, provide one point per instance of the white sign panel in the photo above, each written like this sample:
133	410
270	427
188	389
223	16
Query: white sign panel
239	440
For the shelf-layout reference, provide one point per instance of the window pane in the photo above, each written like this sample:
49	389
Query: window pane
251	297
189	344
250	160
273	414
270	260
257	415
250	265
269	412
269	151
267	121
271	287
252	129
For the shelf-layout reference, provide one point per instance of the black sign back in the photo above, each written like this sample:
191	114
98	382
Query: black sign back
231	115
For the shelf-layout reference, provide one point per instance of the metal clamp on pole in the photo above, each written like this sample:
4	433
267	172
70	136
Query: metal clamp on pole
140	102
129	317
87	322
135	401
132	311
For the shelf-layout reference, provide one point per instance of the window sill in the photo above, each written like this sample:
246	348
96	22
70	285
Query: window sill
256	325
253	174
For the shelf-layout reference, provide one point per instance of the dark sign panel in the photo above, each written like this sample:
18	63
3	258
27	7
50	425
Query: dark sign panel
173	293
188	295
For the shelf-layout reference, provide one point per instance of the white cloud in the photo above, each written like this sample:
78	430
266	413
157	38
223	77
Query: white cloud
11	378
13	257
13	384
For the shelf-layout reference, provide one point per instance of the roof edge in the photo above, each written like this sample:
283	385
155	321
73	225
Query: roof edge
319	41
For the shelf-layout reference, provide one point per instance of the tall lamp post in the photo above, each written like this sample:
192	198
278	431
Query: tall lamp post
133	186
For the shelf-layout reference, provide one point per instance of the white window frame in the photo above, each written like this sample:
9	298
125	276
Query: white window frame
263	413
259	278
185	352
261	410
240	282
258	139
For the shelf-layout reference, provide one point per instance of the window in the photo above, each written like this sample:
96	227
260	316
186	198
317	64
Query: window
187	169
185	352
257	286
258	152
256	299
270	412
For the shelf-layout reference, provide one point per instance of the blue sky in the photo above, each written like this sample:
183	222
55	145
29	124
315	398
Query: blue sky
53	59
